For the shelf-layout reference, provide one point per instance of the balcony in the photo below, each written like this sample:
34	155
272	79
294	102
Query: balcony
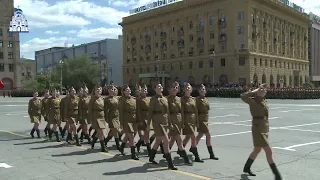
180	43
222	23
222	37
200	41
163	35
242	51
181	32
133	40
200	28
147	37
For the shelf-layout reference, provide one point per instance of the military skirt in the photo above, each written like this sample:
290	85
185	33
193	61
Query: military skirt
84	121
35	118
142	126
98	121
176	120
54	117
260	132
113	119
189	124
160	124
203	123
73	116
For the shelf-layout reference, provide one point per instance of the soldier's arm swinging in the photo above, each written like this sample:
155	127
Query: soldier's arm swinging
121	111
150	111
138	110
196	113
105	109
29	108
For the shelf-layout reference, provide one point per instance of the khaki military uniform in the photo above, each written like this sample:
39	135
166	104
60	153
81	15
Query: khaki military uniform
142	112
62	109
84	111
127	114
260	124
96	113
111	111
176	115
203	107
71	109
54	115
45	107
34	110
159	114
190	114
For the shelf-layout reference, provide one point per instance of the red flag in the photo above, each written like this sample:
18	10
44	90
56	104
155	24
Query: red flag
1	84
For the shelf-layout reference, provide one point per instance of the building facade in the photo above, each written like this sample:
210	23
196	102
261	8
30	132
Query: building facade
9	48
210	41
314	47
27	69
108	52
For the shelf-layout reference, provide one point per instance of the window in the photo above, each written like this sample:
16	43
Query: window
200	64
190	37
240	30
255	61
201	23
156	68
1	55
10	54
141	70
265	63
10	44
190	65
1	67
190	25
252	18
181	66
241	45
11	68
211	35
163	67
134	70
148	69
155	32
128	71
211	20
240	16
141	35
0	32
260	62
172	29
1	43
211	63
172	67
242	61
271	63
223	61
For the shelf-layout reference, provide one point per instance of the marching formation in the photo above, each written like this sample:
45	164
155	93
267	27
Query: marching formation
168	118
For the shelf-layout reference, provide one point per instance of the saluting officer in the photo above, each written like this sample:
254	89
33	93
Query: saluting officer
159	114
191	121
111	114
54	112
176	117
84	114
260	128
34	111
203	107
97	117
72	115
44	110
128	120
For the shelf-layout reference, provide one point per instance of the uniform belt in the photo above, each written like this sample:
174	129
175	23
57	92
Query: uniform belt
189	113
98	110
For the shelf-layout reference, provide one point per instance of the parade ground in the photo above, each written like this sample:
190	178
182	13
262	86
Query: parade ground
294	136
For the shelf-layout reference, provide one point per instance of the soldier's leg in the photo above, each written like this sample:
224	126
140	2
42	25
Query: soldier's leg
252	157
146	134
194	149
132	146
73	130
167	155
209	146
186	140
181	151
86	133
140	142
271	163
55	130
101	139
154	149
109	136
33	130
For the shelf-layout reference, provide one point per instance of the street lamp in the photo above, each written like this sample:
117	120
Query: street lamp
61	65
213	54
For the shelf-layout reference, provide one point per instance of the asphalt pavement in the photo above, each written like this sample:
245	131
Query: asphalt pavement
294	136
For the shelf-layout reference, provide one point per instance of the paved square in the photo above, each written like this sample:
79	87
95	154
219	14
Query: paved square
294	136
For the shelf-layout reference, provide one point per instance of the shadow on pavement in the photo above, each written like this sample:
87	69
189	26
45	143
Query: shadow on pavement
115	158
76	153
139	169
244	177
35	142
47	147
14	139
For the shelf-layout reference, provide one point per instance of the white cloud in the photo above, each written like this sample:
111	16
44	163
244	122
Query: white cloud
309	5
100	33
28	48
52	32
120	3
72	32
67	13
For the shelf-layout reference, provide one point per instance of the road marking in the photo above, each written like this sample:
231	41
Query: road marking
4	165
300	125
134	161
303	130
232	108
233	122
229	115
231	134
13	105
290	148
16	114
297	110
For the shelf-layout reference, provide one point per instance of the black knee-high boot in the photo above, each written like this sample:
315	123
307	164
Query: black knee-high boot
77	140
170	163
194	151
117	143
103	147
45	131
275	171
212	156
63	132
133	153
32	132
185	157
153	153
38	133
247	167
151	140
82	136
121	149
79	129
106	140
88	138
139	144
50	132
93	142
60	129
57	136
148	149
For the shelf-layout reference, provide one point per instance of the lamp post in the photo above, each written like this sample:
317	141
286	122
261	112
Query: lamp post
61	65
213	54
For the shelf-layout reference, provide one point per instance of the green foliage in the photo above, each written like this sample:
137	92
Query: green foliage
76	72
38	84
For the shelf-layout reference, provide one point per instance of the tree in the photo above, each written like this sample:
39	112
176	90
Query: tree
39	83
76	72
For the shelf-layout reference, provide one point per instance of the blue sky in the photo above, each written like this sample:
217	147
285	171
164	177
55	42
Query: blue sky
56	22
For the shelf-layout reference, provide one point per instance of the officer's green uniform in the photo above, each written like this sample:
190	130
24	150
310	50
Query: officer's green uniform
34	110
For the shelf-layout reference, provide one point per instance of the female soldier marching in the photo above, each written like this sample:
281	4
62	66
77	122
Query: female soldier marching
44	110
34	111
191	121
203	107
54	113
260	128
84	114
128	120
159	113
63	116
141	128
97	117
176	117
72	115
111	114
